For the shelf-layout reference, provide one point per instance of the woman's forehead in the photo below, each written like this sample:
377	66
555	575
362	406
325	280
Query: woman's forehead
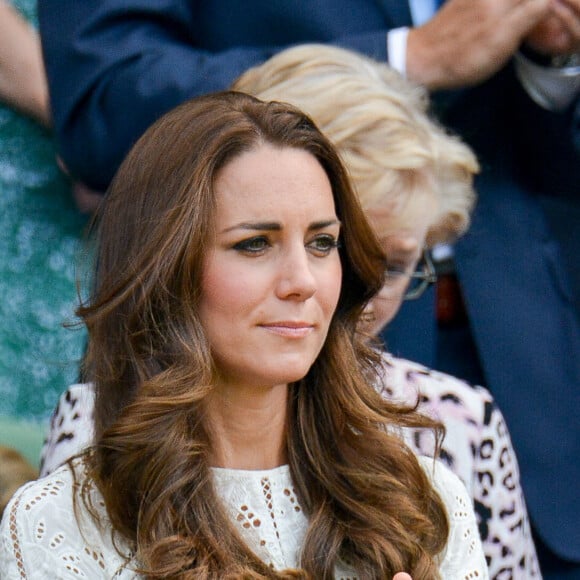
418	213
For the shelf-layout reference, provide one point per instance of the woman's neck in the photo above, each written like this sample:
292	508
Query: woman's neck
248	427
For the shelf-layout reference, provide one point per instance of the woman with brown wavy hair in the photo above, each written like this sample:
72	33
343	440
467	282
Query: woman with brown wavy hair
238	432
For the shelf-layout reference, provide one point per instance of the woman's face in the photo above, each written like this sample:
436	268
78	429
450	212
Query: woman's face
272	277
402	237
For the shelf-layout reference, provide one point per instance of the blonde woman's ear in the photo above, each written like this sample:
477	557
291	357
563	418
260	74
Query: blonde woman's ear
402	576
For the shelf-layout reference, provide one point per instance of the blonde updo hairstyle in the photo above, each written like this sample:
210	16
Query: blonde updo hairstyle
380	125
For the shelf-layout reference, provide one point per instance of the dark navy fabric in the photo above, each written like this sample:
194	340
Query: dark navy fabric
133	60
116	65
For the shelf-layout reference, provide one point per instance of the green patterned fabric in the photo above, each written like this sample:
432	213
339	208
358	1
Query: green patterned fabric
40	243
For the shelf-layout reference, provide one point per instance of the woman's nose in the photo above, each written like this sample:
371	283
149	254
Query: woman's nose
296	279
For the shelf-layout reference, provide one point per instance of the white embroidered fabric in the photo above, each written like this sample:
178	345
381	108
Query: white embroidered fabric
40	537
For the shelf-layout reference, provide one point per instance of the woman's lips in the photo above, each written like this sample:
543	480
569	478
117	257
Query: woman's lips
289	329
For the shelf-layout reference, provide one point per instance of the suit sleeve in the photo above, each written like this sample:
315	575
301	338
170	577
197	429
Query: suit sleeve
115	66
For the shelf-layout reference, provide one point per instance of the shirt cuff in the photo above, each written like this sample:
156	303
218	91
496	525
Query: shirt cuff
553	88
397	49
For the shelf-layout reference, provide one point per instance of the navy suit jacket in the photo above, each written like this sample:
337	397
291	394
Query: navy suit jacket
114	66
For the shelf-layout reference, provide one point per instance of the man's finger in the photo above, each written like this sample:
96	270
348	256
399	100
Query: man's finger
569	16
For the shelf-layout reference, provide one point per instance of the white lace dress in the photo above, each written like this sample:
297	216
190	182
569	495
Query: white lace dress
41	539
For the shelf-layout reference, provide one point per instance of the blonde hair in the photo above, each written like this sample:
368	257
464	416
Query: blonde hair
380	125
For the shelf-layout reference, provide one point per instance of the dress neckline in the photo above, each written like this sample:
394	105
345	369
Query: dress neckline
228	472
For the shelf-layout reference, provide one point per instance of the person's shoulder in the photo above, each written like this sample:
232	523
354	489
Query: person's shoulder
38	513
446	482
50	500
457	501
58	523
408	381
76	398
75	407
463	556
53	490
71	427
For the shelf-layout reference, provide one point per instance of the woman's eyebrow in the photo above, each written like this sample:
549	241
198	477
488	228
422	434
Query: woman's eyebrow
276	226
323	224
258	226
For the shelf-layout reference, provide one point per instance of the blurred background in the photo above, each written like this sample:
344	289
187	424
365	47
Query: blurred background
40	247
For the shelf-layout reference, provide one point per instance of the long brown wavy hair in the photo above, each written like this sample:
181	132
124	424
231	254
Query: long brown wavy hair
368	500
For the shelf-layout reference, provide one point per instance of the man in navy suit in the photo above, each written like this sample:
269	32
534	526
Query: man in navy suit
114	66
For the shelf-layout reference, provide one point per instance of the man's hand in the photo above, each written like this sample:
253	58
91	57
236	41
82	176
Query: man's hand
558	33
467	41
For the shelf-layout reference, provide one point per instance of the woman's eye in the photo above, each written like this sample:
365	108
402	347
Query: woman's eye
322	245
252	245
